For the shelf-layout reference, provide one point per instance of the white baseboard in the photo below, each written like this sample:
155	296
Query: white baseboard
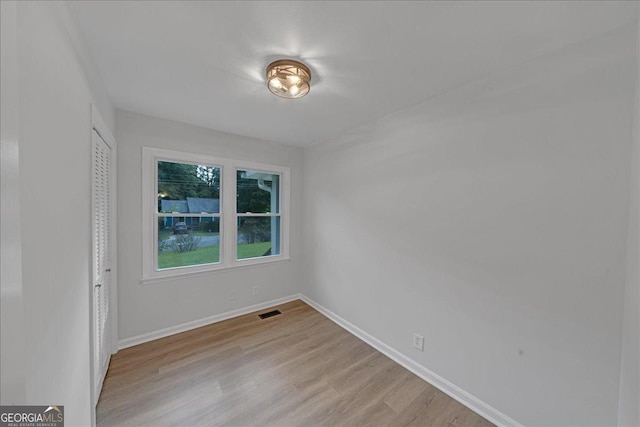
432	378
150	336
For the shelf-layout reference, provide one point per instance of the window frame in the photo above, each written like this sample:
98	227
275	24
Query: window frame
256	214
227	213
185	215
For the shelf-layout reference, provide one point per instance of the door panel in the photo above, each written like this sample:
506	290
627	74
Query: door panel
101	212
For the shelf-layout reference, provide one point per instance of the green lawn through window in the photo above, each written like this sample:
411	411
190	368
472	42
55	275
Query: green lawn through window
208	254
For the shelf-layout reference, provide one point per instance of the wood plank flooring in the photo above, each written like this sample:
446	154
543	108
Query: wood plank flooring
295	369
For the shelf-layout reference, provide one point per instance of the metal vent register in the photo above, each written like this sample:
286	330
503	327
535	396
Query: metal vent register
269	314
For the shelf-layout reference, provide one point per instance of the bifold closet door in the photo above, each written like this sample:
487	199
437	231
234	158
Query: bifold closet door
101	212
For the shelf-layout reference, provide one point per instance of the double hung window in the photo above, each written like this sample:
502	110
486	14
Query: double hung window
204	213
188	214
258	211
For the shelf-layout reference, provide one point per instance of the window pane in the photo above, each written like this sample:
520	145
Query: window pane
258	192
258	236
188	188
184	241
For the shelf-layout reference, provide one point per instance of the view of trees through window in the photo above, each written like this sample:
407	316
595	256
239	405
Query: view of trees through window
258	208
189	216
177	181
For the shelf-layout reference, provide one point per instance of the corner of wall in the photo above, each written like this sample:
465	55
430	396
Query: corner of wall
629	388
63	12
12	345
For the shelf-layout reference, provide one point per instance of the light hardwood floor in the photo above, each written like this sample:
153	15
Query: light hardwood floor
295	369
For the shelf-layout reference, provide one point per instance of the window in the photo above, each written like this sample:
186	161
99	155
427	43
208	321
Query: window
188	214
203	213
258	209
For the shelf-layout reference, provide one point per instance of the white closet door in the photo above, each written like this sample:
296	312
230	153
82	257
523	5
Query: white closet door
101	257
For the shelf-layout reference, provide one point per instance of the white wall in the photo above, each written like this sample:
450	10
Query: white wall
12	343
492	220
629	403
55	94
151	307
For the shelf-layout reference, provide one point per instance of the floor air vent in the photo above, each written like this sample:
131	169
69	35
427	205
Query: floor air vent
269	314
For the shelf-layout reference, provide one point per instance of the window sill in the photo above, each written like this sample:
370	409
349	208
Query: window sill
185	274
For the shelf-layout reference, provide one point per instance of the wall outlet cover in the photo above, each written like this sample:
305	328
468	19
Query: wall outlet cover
418	342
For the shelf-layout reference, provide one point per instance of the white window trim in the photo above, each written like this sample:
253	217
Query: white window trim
228	214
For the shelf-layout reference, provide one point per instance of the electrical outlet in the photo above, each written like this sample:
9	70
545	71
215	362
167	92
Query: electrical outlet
418	342
256	290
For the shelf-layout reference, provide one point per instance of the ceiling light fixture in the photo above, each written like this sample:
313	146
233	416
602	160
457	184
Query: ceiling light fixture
287	78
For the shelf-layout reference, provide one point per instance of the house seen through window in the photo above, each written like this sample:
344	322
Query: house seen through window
188	214
212	213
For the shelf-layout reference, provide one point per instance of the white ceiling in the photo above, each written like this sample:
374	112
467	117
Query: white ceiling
203	62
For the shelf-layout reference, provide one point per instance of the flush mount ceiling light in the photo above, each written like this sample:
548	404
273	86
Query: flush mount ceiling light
287	78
